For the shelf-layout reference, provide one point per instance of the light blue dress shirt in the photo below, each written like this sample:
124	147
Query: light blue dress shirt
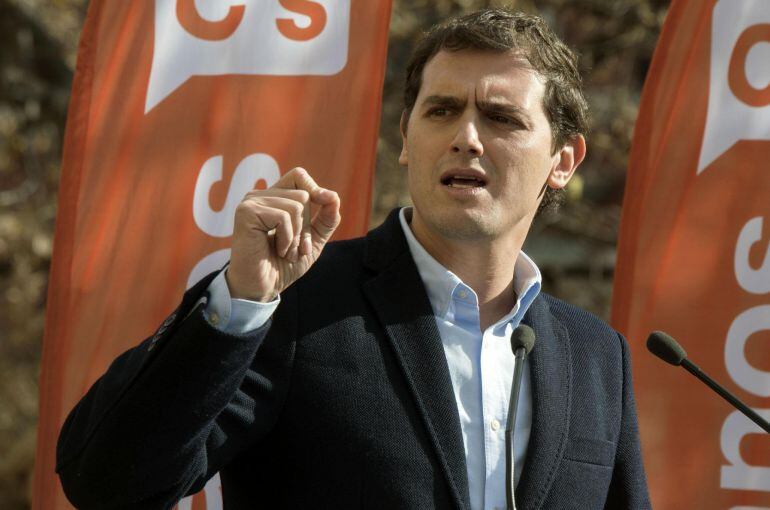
480	363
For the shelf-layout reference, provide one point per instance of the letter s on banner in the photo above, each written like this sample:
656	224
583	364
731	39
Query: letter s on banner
250	171
312	10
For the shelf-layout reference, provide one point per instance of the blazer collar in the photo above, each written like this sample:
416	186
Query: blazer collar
399	299
551	371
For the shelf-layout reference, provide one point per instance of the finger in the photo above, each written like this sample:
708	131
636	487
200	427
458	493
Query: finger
284	233
330	203
265	218
298	178
298	195
293	254
306	221
326	220
306	245
323	196
296	212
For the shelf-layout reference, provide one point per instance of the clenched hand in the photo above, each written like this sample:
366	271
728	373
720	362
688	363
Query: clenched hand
273	245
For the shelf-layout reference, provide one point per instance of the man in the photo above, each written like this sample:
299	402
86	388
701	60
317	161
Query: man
376	372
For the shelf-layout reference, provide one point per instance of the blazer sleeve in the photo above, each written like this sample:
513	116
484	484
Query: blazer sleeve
171	412
628	488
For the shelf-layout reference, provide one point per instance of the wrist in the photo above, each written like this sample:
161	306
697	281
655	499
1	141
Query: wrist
237	292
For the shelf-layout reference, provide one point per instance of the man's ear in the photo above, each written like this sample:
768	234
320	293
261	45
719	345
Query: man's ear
403	158
566	161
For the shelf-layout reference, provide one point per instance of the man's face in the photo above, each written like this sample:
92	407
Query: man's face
478	146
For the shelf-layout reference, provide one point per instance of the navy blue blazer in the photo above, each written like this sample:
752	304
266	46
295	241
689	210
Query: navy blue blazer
344	400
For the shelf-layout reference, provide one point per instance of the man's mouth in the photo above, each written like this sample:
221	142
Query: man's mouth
463	180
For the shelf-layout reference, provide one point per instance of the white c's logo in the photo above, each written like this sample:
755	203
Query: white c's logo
268	37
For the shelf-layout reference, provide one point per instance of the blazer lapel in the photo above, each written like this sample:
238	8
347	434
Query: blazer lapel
551	372
400	301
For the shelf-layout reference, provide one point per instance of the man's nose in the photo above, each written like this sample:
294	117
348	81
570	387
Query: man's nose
467	139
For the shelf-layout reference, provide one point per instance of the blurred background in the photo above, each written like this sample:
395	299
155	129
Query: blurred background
575	248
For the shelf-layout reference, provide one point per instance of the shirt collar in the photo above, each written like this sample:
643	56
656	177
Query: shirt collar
440	282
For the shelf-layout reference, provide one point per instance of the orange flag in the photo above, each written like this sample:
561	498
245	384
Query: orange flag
179	107
694	254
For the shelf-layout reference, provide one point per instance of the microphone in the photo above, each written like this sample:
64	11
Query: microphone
522	342
667	349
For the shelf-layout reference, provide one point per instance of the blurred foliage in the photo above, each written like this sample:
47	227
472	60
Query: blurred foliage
37	54
38	42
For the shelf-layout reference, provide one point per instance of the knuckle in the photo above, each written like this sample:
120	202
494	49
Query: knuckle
243	208
296	214
256	193
254	206
298	171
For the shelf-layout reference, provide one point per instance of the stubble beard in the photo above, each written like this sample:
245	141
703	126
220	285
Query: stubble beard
473	226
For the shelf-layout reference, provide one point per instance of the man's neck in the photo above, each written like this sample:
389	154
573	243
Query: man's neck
485	265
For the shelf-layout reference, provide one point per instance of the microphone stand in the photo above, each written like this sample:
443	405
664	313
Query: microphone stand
511	426
725	394
666	348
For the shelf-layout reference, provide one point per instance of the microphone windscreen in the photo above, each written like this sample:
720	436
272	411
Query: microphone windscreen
523	336
666	348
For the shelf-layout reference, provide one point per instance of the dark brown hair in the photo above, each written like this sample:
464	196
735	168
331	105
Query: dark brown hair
504	30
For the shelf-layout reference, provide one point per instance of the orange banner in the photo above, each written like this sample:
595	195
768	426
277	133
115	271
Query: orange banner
179	107
694	254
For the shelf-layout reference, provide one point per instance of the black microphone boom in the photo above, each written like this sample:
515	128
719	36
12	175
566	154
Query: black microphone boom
522	342
669	350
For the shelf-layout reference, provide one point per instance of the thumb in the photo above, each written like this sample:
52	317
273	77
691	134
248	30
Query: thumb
326	219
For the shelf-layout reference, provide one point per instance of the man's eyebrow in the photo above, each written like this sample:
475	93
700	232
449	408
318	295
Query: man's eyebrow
502	107
446	101
456	103
505	109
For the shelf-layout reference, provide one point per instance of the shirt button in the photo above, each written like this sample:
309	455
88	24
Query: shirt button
462	294
213	319
495	425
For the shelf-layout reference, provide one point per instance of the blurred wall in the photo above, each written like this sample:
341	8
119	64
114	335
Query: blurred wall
38	42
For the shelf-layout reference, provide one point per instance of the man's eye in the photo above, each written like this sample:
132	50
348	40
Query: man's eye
438	112
507	121
502	119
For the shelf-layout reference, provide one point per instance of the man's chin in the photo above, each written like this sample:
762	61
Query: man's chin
466	225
